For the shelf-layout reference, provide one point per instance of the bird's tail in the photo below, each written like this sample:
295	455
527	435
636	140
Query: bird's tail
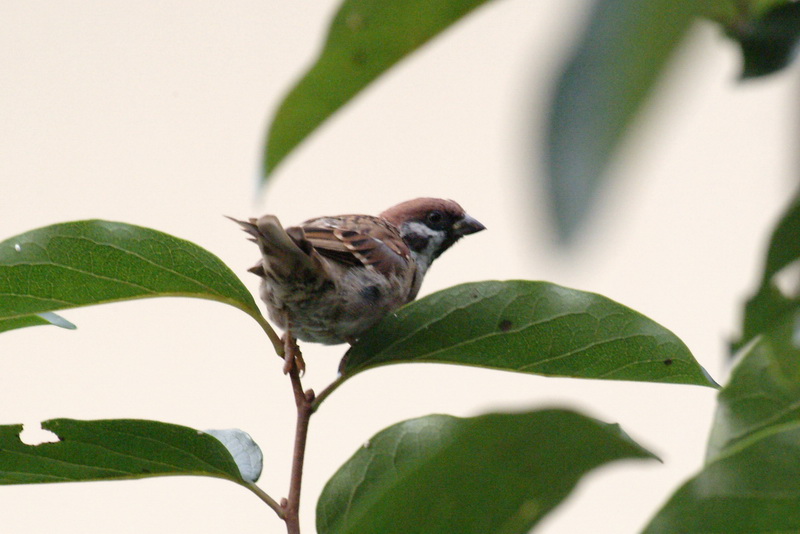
283	254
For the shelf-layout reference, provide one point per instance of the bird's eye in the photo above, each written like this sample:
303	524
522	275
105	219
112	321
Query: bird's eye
435	218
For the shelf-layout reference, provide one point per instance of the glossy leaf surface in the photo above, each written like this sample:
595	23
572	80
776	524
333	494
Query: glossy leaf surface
497	473
93	262
111	450
529	327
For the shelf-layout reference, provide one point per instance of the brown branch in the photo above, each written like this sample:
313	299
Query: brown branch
327	391
304	402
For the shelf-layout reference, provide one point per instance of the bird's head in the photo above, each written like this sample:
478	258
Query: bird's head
430	226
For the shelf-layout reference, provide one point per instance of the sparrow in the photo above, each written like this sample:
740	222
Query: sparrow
330	279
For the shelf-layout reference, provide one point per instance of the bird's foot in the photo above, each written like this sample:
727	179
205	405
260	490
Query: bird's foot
292	357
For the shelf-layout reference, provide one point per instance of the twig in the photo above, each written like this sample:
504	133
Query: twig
277	343
272	503
304	402
327	391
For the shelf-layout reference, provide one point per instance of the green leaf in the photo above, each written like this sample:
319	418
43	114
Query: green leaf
721	11
497	473
763	311
764	389
21	322
610	75
768	41
46	318
784	244
751	480
733	12
93	262
769	306
112	450
754	488
529	327
366	38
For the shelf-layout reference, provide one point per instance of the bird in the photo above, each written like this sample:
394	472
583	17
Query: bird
330	279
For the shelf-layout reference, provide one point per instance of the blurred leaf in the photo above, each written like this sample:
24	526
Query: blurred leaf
529	327
722	11
366	38
751	481
733	12
92	262
605	82
112	449
753	488
764	389
497	473
784	244
763	311
768	41
769	305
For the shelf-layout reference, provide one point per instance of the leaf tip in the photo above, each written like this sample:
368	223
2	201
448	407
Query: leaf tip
243	449
56	320
711	382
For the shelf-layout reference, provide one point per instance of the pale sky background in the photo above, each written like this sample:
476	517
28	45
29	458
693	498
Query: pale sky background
153	113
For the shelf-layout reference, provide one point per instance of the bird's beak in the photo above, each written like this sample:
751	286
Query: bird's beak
467	225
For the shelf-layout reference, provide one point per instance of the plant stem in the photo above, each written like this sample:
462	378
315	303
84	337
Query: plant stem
272	503
304	402
325	392
277	343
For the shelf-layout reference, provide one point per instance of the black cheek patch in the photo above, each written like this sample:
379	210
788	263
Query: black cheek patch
417	242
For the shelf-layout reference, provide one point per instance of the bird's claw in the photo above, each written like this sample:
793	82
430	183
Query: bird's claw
292	357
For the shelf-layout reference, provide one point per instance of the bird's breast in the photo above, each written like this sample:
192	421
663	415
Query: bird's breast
357	299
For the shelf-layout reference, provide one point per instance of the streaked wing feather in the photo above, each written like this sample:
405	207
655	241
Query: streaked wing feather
360	239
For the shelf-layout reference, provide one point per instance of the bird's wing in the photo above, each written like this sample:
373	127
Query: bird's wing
356	240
